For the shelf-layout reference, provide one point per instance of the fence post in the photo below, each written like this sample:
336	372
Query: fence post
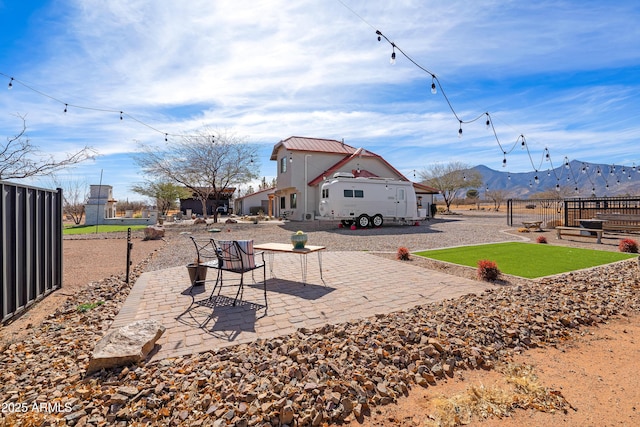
129	247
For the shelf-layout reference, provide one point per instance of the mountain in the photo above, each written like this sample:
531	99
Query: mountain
587	178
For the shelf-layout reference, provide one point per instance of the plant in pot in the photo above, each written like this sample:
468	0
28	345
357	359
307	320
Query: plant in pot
299	239
197	272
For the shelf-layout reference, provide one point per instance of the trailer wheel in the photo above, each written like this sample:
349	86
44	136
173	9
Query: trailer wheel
347	222
377	220
363	221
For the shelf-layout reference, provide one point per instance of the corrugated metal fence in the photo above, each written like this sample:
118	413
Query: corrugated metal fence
31	245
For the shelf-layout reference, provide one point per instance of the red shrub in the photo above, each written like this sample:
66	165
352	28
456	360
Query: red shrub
403	254
541	239
487	270
628	245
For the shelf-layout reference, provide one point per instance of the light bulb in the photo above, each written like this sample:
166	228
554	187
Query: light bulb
433	84
504	162
536	180
65	108
392	61
120	115
557	187
460	131
488	122
10	83
166	135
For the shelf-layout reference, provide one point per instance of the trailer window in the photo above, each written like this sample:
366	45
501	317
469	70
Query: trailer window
359	193
348	193
325	193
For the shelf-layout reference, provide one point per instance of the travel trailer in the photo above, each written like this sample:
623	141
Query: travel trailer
369	202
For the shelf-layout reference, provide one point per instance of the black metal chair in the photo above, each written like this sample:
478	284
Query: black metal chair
206	257
237	257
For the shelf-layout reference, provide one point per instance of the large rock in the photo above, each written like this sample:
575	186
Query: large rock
129	344
154	232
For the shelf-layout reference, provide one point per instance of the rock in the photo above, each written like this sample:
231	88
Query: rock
128	345
200	221
154	232
231	221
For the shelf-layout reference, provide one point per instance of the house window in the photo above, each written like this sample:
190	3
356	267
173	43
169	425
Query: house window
348	193
282	203
283	164
359	193
294	200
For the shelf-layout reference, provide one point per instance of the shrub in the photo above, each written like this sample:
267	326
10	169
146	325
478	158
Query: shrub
541	239
628	245
487	270
403	254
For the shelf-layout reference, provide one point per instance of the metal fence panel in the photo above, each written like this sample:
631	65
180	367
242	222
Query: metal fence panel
549	211
31	243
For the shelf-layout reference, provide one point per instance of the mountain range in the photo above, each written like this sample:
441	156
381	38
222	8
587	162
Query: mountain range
573	179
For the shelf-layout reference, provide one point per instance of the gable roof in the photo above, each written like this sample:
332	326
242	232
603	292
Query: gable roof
317	145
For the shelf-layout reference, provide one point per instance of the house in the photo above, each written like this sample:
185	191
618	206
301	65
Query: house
304	163
194	205
251	204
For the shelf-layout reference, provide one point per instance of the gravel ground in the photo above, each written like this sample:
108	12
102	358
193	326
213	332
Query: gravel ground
444	231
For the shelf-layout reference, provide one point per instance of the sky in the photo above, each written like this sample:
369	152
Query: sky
565	74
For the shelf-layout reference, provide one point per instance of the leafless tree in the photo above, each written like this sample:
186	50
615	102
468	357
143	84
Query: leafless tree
20	158
497	197
74	196
450	179
208	164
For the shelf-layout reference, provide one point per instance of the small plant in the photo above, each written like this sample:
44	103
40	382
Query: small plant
628	245
82	308
403	254
541	239
487	270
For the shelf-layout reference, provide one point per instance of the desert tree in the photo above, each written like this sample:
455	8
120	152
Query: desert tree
450	179
165	194
20	158
497	197
207	164
75	193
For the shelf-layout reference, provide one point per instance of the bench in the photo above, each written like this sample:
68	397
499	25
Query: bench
619	222
578	231
535	225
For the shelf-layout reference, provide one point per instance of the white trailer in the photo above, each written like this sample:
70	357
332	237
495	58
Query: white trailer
369	202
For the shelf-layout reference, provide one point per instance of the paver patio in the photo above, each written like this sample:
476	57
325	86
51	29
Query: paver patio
356	285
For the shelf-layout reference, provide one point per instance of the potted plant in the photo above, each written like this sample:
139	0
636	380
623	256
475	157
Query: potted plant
197	272
299	239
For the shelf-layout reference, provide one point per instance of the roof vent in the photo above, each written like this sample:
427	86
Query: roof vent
343	175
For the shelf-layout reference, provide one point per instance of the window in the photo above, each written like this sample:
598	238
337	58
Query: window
282	202
283	164
348	193
359	193
294	200
325	193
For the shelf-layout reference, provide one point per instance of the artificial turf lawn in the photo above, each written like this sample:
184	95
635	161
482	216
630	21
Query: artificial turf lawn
90	229
528	260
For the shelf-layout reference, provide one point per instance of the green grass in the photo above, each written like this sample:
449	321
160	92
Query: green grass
527	259
90	229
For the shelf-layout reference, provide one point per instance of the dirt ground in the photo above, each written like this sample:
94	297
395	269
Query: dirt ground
597	372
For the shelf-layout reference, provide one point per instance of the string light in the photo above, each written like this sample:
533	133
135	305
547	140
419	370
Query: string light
10	83
460	130
392	61
433	84
120	115
65	108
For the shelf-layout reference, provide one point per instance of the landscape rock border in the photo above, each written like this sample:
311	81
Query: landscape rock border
325	375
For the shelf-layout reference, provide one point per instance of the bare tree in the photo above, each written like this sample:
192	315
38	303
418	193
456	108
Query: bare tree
207	164
450	179
74	196
497	197
20	159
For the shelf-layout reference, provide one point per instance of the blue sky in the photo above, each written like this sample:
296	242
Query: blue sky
562	73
